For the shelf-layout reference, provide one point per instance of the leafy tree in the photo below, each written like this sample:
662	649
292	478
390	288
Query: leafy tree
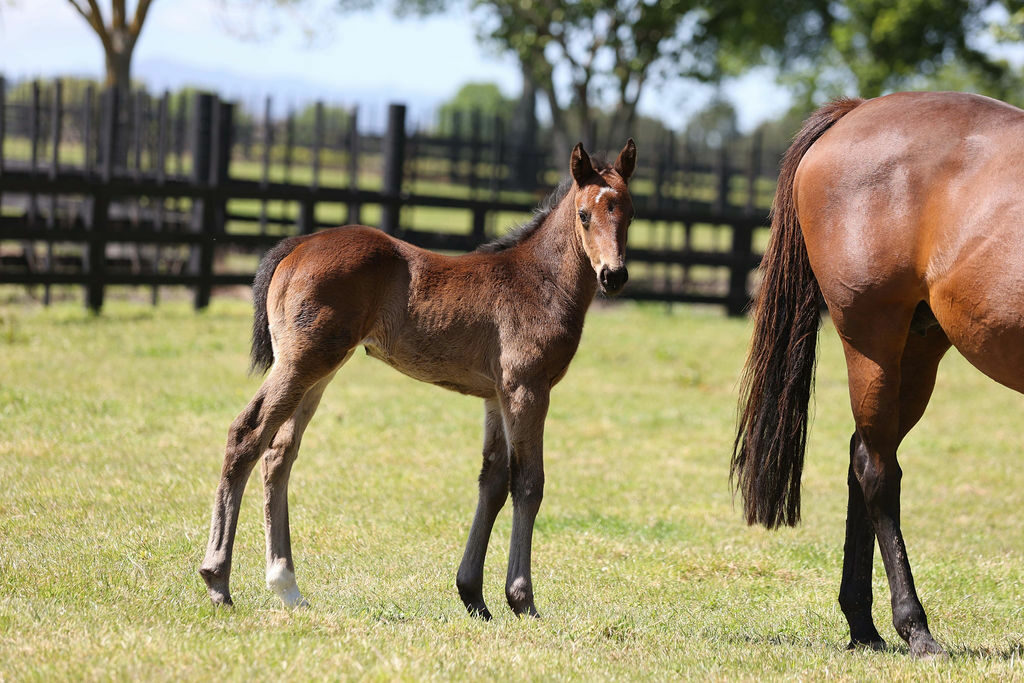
613	51
877	46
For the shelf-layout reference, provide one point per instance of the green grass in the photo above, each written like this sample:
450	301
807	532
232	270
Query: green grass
111	436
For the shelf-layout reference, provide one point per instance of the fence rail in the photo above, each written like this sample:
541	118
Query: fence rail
157	198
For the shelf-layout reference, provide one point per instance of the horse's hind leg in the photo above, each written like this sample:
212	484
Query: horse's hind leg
250	434
891	379
858	557
276	467
493	494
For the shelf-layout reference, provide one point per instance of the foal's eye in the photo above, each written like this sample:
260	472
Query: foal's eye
584	217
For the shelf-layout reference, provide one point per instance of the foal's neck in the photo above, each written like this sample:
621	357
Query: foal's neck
557	246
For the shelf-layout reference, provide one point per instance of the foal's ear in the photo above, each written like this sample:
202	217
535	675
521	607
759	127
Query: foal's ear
625	163
579	164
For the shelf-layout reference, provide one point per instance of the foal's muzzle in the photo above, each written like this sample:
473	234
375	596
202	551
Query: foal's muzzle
613	279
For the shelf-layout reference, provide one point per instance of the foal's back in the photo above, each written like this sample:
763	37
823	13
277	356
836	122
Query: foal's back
448	320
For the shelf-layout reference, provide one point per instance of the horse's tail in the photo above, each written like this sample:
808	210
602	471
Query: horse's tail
262	352
776	386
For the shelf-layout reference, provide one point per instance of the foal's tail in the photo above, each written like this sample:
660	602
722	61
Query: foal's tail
262	352
776	386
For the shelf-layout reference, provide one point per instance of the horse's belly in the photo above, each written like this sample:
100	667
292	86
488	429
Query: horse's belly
983	317
438	371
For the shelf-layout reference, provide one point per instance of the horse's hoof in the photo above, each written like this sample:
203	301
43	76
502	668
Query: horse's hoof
479	611
876	645
527	611
925	648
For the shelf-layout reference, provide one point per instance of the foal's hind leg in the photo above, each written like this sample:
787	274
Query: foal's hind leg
873	356
276	467
493	494
250	434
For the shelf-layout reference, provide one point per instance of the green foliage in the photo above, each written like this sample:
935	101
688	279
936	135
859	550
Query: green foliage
885	44
484	98
334	119
876	47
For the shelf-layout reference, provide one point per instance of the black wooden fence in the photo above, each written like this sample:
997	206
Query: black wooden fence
156	195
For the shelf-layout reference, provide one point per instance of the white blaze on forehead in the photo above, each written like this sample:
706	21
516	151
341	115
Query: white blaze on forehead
602	192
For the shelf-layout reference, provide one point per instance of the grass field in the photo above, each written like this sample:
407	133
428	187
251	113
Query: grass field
111	436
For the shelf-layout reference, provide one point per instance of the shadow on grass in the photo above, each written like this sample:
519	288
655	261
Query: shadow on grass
1014	652
1007	653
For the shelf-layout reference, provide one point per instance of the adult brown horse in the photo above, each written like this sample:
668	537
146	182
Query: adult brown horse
904	213
501	323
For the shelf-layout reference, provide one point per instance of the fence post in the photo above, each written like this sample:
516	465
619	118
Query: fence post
318	140
87	138
34	116
307	206
455	148
742	239
55	134
353	164
753	171
201	255
394	163
268	142
497	157
722	169
479	225
474	150
3	117
96	254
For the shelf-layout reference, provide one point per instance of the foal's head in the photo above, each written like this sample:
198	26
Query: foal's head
603	212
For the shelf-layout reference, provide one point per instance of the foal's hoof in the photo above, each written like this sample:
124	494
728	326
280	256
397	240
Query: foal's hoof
220	598
925	648
217	588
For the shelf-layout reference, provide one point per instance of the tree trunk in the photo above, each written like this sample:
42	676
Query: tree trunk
118	62
119	68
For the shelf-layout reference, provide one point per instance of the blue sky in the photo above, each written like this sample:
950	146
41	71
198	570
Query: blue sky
368	57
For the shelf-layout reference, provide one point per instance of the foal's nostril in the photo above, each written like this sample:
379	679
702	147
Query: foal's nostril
614	279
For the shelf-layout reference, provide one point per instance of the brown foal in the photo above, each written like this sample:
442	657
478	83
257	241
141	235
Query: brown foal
905	214
501	323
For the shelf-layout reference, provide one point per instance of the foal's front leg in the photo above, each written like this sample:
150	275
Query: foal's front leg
524	408
493	494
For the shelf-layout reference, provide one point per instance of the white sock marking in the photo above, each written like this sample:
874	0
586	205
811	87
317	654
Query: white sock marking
282	582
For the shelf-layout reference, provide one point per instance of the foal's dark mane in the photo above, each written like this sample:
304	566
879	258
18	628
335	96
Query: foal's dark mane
543	210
